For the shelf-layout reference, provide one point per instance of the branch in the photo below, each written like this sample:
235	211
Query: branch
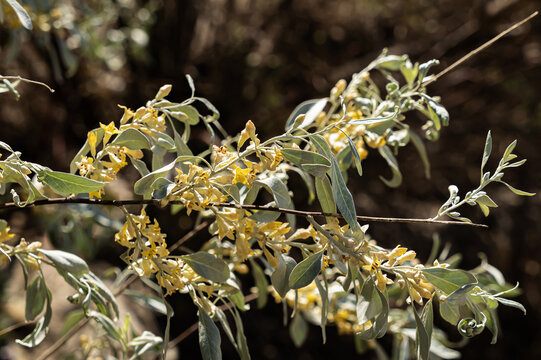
17	77
155	202
479	49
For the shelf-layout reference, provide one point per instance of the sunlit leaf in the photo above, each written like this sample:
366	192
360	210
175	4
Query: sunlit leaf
66	261
65	183
132	139
448	280
306	271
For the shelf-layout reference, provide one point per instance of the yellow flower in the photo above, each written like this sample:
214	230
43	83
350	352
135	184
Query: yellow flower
247	133
128	114
92	140
5	235
241	175
110	130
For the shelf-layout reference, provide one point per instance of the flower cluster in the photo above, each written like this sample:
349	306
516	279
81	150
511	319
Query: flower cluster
28	251
148	254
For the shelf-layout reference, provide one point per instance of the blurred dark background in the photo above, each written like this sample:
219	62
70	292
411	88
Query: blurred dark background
257	59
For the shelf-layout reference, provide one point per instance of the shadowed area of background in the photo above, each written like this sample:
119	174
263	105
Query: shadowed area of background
257	59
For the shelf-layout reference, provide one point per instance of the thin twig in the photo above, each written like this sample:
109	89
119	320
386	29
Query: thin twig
188	236
479	49
82	323
237	206
183	335
16	77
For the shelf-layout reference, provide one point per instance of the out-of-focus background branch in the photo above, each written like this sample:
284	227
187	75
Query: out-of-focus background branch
257	59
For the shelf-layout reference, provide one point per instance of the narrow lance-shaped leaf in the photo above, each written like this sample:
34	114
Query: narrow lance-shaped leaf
23	16
438	113
448	280
208	266
298	330
209	337
387	154
342	195
325	195
486	151
66	261
306	271
421	149
261	283
42	326
301	157
65	183
36	297
375	120
280	276
310	107
422	338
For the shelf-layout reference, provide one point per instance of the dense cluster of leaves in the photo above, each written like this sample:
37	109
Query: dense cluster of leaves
329	273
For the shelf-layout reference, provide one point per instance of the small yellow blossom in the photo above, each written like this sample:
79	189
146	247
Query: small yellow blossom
109	130
92	140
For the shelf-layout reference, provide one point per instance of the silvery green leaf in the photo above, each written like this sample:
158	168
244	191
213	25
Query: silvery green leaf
298	330
65	183
486	151
261	283
66	261
209	337
311	108
387	154
151	302
280	276
325	195
301	157
421	149
450	312
511	303
238	299
241	337
448	280
376	120
23	16
517	191
184	113
438	113
306	271
342	195
36	297
191	84
509	150
42	326
208	266
423	68
422	338
369	304
133	139
409	71
390	62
